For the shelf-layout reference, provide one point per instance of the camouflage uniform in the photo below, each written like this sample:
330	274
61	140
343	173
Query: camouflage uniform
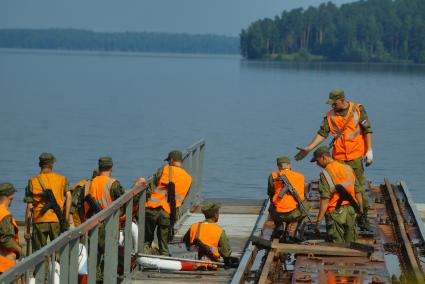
356	164
7	230
341	223
40	231
157	217
224	249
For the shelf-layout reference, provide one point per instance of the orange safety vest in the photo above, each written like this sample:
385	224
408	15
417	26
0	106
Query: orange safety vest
181	179
100	189
209	234
352	143
56	183
287	203
338	173
7	256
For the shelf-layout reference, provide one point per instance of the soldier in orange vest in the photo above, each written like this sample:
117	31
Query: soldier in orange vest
10	250
284	206
352	140
339	212
161	207
47	223
207	237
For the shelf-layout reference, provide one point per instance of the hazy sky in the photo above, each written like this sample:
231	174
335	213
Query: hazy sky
191	16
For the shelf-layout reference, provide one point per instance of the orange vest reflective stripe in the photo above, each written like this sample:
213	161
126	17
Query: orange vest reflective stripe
337	173
181	179
209	234
7	256
99	188
287	203
56	183
352	143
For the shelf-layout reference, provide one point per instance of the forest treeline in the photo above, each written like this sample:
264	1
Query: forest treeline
73	39
363	31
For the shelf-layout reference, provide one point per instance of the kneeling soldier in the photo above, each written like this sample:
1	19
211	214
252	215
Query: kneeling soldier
10	250
45	198
339	192
208	238
285	208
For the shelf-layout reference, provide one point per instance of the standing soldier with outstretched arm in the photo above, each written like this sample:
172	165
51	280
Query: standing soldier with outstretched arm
352	140
10	250
45	197
169	188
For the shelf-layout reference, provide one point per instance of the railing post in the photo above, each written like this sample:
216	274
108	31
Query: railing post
194	190
93	237
40	271
73	261
127	237
141	218
64	264
111	248
200	173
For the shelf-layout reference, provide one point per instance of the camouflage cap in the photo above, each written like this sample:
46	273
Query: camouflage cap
283	159
6	189
105	162
334	95
175	155
319	153
210	208
46	158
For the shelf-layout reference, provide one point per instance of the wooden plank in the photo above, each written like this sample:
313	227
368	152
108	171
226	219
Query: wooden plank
316	249
266	268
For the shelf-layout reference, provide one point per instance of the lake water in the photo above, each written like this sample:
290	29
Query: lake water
136	107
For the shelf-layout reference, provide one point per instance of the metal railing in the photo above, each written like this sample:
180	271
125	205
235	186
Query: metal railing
65	248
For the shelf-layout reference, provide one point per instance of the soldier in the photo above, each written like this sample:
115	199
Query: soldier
349	125
10	250
336	207
285	208
45	197
208	238
78	194
169	188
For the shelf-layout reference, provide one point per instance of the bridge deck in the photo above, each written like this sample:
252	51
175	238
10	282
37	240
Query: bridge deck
237	218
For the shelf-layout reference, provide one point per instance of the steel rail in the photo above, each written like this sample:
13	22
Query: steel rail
401	230
250	250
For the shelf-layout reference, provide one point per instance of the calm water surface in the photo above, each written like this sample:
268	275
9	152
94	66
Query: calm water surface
136	107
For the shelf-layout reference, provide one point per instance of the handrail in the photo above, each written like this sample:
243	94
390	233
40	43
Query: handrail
67	244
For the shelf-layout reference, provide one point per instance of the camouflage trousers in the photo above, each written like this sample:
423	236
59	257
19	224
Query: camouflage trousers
157	218
341	225
40	232
357	165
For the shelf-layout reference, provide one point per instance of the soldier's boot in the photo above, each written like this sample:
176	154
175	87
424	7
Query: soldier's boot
363	221
278	231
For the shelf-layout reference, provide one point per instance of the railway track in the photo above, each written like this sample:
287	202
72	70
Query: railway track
394	254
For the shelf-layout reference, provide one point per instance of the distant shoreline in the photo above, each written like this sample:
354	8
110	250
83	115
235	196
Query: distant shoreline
107	53
86	40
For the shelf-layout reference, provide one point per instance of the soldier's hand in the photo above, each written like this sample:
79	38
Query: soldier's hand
27	237
302	153
141	182
368	158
